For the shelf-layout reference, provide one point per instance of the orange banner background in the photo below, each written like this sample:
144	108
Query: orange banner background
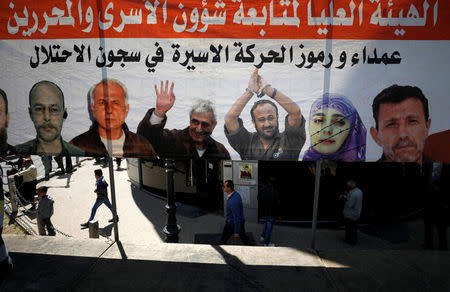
435	25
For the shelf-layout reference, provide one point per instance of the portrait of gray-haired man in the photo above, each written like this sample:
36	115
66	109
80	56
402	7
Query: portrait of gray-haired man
194	141
109	135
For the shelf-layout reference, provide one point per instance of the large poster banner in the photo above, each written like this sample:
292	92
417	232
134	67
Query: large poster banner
358	80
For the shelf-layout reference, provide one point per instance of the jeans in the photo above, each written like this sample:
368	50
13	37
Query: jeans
97	204
267	229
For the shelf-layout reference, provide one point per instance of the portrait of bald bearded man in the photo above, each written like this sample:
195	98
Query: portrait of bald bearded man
401	123
48	112
5	148
109	134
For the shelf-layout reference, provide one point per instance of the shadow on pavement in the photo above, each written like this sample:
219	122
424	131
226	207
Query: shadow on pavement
156	215
36	272
214	239
341	271
106	231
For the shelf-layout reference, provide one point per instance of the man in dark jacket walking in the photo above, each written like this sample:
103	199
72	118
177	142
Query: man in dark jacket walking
102	197
235	221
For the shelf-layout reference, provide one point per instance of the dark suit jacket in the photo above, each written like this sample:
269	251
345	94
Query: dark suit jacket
178	143
135	145
30	148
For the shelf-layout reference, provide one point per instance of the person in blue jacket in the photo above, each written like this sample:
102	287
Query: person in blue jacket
101	189
234	220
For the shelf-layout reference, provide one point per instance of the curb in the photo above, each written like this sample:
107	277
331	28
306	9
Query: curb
22	223
19	220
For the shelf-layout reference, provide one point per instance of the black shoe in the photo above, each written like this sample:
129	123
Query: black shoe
85	225
112	219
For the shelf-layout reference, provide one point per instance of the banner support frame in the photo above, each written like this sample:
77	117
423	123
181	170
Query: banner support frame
316	202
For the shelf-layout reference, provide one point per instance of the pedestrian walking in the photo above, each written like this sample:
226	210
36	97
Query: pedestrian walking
101	188
234	221
47	162
118	161
44	211
269	201
69	166
352	211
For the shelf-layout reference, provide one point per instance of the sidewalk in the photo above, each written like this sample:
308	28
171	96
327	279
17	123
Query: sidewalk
143	216
141	261
52	263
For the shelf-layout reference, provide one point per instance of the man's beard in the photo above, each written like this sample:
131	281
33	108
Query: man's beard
406	157
266	136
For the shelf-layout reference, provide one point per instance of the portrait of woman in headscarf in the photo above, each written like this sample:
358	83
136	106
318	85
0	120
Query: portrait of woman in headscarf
336	130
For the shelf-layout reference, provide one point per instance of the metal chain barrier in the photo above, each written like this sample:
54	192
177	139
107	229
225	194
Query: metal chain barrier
34	223
62	233
17	199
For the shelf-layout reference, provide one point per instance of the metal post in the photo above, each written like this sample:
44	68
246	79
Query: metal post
108	133
316	203
141	182
171	229
113	198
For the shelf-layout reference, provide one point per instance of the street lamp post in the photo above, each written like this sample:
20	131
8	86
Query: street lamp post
171	229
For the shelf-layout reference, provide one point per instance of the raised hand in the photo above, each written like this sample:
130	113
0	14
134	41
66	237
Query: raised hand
165	98
261	84
253	83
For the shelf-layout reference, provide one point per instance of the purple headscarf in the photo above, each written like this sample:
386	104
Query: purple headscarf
354	147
